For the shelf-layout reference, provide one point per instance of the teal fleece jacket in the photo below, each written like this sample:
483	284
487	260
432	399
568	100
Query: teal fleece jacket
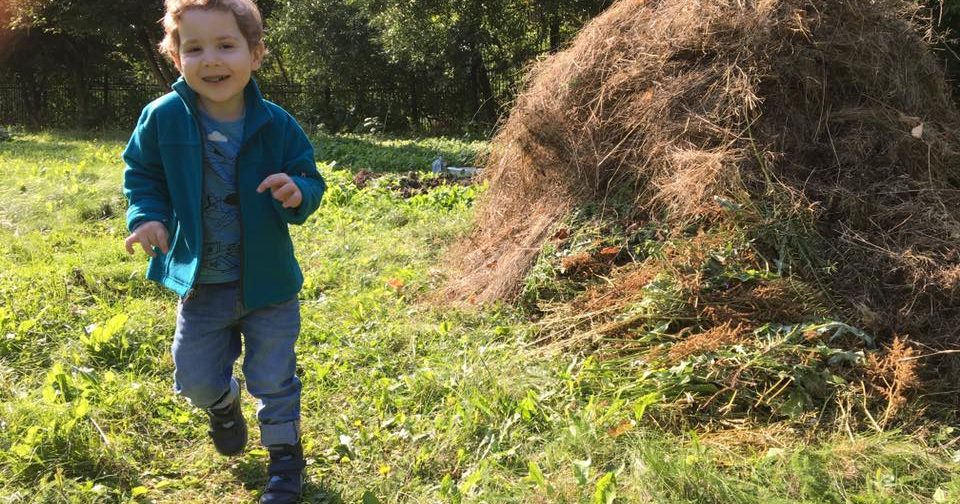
163	181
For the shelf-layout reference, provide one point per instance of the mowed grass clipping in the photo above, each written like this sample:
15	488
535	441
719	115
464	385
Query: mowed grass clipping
403	401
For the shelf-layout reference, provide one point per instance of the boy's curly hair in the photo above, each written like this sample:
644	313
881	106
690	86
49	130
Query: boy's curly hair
244	11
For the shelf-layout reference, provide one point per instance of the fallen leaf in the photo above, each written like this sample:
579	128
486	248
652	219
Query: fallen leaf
917	132
620	429
609	253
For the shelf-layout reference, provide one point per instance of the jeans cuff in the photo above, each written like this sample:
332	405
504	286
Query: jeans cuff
230	396
277	434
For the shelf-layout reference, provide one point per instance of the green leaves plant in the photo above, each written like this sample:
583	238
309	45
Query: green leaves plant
535	475
606	490
581	471
640	405
100	336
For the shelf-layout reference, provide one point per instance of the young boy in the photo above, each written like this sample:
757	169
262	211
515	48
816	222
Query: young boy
223	172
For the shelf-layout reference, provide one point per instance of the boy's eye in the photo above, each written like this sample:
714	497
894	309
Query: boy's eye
227	46
192	49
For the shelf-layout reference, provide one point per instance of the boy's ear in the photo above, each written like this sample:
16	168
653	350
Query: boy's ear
258	53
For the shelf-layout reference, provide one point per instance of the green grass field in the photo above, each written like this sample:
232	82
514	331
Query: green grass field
403	401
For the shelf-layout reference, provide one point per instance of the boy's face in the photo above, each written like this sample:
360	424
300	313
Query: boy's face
216	60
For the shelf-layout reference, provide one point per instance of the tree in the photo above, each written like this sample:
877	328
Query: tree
331	47
121	26
435	63
471	41
9	36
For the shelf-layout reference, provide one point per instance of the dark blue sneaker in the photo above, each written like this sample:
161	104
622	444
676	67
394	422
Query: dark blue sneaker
228	429
286	474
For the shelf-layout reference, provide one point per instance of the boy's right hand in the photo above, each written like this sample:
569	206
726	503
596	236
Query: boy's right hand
149	234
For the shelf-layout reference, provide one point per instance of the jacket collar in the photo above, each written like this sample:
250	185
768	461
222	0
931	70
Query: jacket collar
256	113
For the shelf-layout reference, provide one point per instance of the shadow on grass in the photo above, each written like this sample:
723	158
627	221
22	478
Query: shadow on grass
354	152
59	145
252	472
43	147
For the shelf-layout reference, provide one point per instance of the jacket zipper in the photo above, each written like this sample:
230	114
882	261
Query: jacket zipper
236	177
203	169
236	167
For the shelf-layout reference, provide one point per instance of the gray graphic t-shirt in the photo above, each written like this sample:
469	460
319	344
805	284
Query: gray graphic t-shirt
220	261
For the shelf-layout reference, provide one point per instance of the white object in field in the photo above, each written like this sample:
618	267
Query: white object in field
438	165
463	171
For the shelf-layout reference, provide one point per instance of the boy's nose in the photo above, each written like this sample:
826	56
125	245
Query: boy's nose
211	59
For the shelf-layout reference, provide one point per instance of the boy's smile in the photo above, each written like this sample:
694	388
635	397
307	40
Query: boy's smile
216	61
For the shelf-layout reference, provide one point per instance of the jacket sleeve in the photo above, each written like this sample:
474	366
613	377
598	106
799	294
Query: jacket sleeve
144	180
299	164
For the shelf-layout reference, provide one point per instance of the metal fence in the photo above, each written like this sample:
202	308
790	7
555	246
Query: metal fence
117	104
103	103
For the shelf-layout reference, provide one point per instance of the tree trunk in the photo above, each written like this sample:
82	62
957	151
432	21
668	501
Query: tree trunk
473	92
81	93
488	107
32	92
549	20
106	106
283	70
359	105
166	67
555	27
151	57
414	104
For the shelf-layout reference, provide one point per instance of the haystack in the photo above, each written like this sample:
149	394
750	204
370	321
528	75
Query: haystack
831	112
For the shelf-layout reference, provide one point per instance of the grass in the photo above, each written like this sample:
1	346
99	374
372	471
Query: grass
403	401
381	154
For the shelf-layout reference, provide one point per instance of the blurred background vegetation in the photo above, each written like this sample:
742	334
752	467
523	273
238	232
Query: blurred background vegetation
946	23
398	66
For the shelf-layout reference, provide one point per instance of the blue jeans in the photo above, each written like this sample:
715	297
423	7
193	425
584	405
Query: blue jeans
210	321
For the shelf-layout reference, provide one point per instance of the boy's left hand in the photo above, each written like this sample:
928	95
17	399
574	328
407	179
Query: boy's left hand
283	189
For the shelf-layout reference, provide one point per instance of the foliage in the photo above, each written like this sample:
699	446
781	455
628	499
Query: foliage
444	65
381	154
331	45
448	53
447	66
946	21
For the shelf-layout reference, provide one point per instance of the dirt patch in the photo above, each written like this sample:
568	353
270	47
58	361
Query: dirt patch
363	177
412	184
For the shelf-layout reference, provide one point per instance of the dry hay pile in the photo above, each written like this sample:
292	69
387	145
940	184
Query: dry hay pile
826	120
830	110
